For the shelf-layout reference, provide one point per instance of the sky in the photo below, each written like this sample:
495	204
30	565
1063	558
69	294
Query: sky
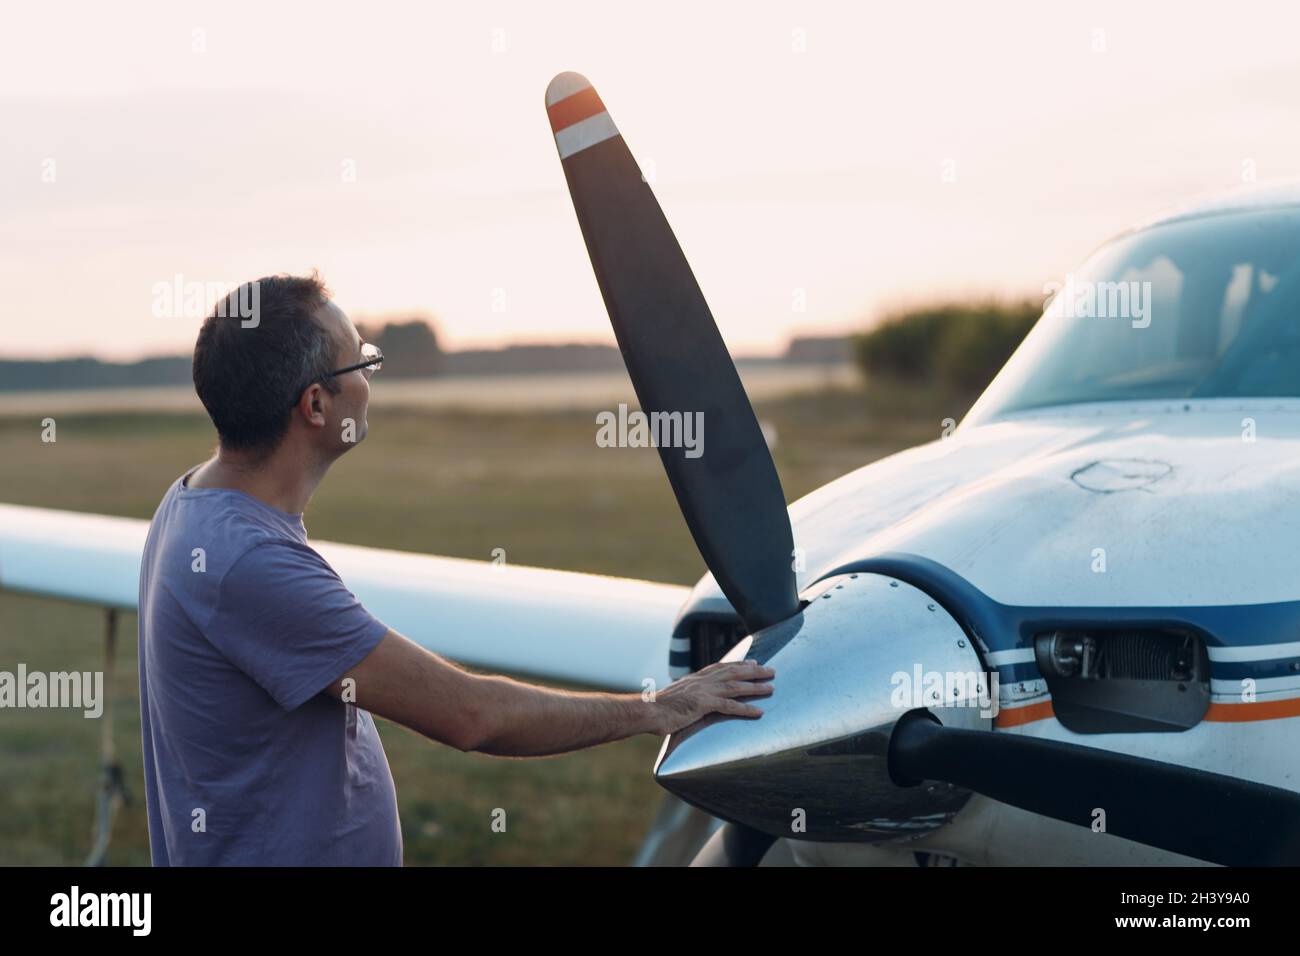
821	163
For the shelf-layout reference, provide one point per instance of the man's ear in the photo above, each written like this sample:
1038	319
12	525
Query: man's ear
311	405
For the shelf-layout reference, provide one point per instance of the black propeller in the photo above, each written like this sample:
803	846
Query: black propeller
730	495
1208	816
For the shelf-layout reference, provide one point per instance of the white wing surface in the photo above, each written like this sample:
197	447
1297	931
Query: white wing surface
605	632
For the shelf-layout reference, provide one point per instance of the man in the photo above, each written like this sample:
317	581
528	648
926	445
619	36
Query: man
252	650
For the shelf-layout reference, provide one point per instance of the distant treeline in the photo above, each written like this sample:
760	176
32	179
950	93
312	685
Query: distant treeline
21	375
410	347
960	345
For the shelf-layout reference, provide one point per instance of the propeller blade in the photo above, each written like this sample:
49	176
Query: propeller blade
1204	815
734	845
729	494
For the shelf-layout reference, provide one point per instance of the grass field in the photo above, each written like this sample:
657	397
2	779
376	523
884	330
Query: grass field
456	484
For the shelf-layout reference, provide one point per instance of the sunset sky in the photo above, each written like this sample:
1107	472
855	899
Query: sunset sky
848	157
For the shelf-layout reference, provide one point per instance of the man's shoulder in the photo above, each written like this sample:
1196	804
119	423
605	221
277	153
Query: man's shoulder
210	530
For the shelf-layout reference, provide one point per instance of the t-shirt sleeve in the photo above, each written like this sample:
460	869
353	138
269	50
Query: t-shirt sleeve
285	618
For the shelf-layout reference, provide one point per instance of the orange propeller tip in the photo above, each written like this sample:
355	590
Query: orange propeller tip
565	85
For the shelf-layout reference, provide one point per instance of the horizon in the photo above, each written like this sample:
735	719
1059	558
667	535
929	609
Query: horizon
738	355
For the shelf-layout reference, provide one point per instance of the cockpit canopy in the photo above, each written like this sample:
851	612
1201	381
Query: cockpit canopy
1202	307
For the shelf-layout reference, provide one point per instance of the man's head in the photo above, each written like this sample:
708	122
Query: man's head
267	381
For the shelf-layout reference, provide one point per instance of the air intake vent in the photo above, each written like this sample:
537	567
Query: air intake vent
710	639
1126	680
1117	655
1146	655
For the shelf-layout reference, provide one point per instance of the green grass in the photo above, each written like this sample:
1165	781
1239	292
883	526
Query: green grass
457	484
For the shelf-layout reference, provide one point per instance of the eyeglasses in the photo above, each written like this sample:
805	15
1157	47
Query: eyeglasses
373	359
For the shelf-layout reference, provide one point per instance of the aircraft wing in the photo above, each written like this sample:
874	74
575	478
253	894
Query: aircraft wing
601	631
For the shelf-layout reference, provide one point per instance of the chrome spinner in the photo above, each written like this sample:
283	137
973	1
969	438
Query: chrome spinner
865	649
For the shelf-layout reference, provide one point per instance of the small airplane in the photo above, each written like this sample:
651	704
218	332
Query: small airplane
1065	632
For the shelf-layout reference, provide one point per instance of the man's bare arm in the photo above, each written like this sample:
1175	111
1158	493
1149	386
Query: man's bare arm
405	683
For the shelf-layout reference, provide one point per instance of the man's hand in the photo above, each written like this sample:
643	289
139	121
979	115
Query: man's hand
713	689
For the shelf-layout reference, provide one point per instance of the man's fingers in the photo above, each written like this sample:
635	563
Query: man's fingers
740	670
726	705
742	688
716	686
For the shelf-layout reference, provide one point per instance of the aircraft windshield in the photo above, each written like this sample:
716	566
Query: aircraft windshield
1203	308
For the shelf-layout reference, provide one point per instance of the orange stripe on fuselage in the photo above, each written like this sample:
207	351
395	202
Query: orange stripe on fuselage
1259	710
1217	713
574	109
1024	715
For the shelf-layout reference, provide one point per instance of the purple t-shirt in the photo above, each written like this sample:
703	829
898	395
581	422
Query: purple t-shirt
246	761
